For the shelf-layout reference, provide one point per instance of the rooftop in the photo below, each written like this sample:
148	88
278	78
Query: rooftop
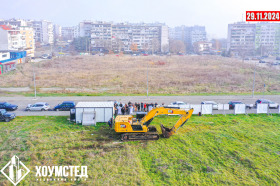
5	27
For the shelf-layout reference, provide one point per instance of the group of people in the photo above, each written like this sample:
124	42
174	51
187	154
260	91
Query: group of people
129	108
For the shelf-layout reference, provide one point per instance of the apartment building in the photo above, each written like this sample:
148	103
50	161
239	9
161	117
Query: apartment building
267	38
57	32
241	38
11	39
67	33
44	31
27	34
188	34
121	36
14	23
101	35
85	28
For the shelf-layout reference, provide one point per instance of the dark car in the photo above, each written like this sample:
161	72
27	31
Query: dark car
6	116
271	104
233	103
8	106
261	61
65	106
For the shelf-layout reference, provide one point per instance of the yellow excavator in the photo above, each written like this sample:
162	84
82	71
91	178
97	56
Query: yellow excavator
137	128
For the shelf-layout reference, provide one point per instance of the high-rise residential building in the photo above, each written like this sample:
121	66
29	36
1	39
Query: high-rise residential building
27	34
57	32
121	36
67	33
101	35
14	22
11	39
241	38
188	34
195	34
85	28
44	31
267	38
76	31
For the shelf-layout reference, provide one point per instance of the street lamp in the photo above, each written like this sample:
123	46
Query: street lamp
147	80
254	80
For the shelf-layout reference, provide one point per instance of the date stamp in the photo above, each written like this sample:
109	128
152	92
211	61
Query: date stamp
262	15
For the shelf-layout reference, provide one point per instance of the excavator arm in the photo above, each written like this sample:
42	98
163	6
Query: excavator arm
166	132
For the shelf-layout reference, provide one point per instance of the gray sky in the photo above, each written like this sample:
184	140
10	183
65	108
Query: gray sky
214	14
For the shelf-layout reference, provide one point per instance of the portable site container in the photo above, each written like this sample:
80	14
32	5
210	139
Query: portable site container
97	111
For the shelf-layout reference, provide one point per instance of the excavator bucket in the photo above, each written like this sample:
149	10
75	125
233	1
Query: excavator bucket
166	132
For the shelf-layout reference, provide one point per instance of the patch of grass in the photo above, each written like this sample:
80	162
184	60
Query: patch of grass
208	150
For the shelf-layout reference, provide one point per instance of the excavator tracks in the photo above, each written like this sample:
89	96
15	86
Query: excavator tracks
140	136
152	134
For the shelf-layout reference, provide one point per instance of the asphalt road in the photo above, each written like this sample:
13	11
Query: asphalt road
22	102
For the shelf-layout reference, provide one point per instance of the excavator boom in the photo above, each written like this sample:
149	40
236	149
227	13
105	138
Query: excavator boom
166	132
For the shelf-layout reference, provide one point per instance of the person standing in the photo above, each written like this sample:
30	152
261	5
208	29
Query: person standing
150	107
142	106
123	110
119	108
130	110
126	109
145	107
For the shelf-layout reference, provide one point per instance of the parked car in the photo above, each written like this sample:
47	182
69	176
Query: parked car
45	56
277	58
261	61
8	106
271	104
233	103
40	106
65	106
6	116
179	104
213	103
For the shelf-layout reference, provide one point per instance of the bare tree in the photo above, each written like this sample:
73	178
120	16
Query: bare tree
165	48
118	44
177	46
155	45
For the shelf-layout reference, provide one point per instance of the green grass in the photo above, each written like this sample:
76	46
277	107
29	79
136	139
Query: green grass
208	150
31	94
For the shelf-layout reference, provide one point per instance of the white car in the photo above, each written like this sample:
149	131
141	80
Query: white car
180	104
40	106
213	103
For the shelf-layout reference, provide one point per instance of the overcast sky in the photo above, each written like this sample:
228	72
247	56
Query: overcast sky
214	14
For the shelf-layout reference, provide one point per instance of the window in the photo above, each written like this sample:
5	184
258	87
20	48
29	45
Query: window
4	55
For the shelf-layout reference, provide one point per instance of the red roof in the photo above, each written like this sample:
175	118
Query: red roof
5	27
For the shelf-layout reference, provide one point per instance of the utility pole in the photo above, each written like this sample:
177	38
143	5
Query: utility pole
263	89
34	79
89	42
254	80
86	45
147	80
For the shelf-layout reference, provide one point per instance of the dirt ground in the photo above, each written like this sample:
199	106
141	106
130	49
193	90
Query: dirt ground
128	75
